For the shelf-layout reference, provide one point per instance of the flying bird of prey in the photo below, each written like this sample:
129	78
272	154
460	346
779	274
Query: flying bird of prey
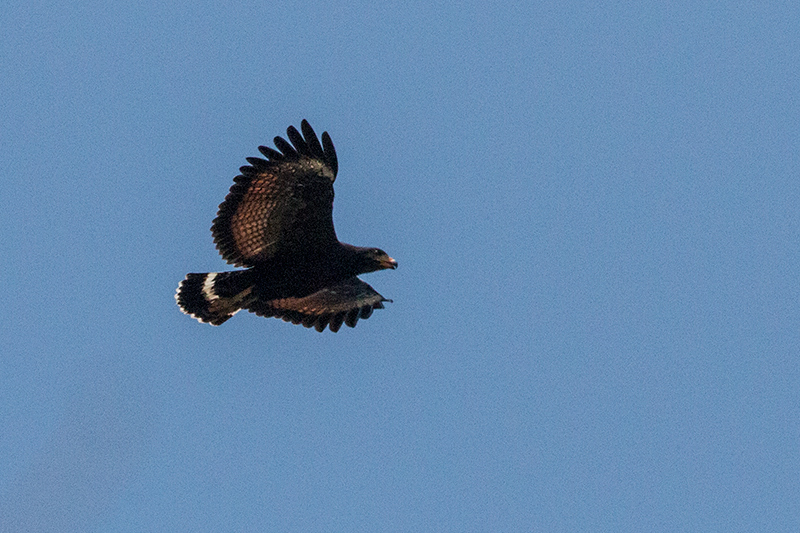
277	221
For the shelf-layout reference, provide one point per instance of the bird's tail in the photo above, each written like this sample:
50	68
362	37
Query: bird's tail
214	297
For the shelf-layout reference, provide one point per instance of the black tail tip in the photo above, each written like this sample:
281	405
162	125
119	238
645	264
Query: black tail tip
196	297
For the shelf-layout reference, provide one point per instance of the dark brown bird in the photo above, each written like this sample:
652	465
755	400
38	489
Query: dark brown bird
277	221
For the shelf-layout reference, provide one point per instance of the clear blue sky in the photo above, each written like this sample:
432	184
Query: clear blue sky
596	319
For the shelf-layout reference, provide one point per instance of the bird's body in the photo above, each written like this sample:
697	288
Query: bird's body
277	220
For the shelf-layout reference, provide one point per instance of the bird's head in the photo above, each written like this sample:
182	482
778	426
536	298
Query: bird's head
377	259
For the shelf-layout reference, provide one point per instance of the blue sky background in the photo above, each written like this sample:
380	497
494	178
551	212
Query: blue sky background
596	319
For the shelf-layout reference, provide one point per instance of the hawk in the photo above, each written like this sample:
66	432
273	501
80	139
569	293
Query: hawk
277	221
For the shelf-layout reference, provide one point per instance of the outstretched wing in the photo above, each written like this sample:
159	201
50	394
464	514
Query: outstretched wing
282	204
344	302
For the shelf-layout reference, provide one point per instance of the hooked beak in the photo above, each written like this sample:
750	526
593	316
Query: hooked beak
388	262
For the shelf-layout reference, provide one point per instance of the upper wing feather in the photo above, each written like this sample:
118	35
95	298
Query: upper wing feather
330	307
282	205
